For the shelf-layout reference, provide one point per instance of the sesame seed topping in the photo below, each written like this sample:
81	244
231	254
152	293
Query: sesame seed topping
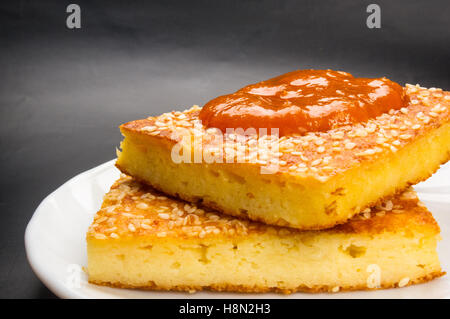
318	142
402	124
335	289
187	220
145	226
403	282
349	145
148	128
142	206
405	136
366	152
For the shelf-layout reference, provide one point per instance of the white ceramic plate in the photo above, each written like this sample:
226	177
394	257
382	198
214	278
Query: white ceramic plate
56	247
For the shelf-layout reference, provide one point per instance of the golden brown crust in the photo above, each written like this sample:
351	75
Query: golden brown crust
133	209
257	289
346	226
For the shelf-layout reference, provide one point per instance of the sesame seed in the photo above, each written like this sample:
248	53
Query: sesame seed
349	145
148	128
337	135
142	206
436	108
366	152
405	136
114	235
426	119
403	282
164	216
371	128
409	195
101	219
109	230
100	236
322	179
131	227
318	142
389	205
361	133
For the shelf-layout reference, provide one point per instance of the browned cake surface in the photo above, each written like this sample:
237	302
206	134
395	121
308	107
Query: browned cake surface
134	209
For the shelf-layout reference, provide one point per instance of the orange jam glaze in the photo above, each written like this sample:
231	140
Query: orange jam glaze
304	101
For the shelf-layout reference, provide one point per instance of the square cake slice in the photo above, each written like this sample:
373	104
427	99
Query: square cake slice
143	239
311	181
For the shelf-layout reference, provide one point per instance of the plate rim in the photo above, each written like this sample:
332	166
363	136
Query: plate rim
59	290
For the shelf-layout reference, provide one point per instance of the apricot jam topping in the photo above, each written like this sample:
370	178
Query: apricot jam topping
304	101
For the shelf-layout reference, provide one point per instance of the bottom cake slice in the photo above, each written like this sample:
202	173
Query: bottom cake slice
142	239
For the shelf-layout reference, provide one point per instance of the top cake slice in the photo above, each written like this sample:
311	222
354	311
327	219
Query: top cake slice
312	180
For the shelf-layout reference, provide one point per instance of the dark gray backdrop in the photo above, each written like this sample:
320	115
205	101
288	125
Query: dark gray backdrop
64	92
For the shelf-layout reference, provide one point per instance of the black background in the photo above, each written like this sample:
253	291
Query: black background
64	92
